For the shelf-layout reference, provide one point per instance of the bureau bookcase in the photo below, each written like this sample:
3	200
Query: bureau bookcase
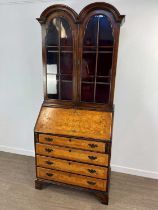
73	132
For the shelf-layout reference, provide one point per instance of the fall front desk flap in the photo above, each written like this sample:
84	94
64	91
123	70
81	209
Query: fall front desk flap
75	122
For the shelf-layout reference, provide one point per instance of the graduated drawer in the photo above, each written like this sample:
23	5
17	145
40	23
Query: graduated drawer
72	142
74	167
73	179
72	154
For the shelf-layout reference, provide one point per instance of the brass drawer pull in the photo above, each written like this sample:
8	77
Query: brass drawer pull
49	162
92	171
48	139
91	183
49	174
93	145
48	150
92	157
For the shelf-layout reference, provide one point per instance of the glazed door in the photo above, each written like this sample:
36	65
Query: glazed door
80	56
60	58
96	59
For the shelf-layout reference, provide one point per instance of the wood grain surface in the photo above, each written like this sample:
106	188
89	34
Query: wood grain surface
71	142
73	167
83	181
74	122
72	154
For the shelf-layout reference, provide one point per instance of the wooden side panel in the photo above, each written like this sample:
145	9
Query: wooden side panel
68	178
71	142
72	154
74	122
73	167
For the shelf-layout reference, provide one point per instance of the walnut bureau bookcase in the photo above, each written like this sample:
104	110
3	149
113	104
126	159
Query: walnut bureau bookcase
73	132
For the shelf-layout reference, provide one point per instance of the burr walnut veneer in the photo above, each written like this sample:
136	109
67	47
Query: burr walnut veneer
73	132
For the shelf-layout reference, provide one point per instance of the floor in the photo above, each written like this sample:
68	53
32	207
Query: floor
17	190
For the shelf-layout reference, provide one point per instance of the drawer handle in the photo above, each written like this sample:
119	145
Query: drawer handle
93	145
92	157
48	150
49	174
49	162
48	139
92	171
91	183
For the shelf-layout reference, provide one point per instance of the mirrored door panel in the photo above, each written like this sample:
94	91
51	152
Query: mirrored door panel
97	60
59	52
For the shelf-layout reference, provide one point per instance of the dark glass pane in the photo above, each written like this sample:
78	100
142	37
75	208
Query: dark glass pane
66	63
104	64
66	77
52	37
65	34
102	93
90	37
105	31
105	48
52	58
52	63
87	92
66	90
52	87
66	49
89	49
89	78
103	79
88	66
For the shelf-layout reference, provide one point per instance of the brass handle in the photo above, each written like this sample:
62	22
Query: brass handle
48	150
49	162
91	183
48	139
92	171
93	145
49	174
92	157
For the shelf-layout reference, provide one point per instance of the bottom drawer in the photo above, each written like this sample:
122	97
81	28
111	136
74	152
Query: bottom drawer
68	178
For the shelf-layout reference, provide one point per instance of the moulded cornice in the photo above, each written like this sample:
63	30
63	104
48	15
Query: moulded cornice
102	6
54	8
80	17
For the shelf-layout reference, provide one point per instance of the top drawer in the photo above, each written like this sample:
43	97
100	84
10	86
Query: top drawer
71	142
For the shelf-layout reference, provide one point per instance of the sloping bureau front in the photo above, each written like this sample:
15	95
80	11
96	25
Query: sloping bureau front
74	122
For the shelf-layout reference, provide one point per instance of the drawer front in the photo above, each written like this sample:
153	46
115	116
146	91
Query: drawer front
70	142
72	154
73	179
74	167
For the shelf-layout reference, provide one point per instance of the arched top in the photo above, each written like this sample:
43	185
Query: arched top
101	6
55	8
79	18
